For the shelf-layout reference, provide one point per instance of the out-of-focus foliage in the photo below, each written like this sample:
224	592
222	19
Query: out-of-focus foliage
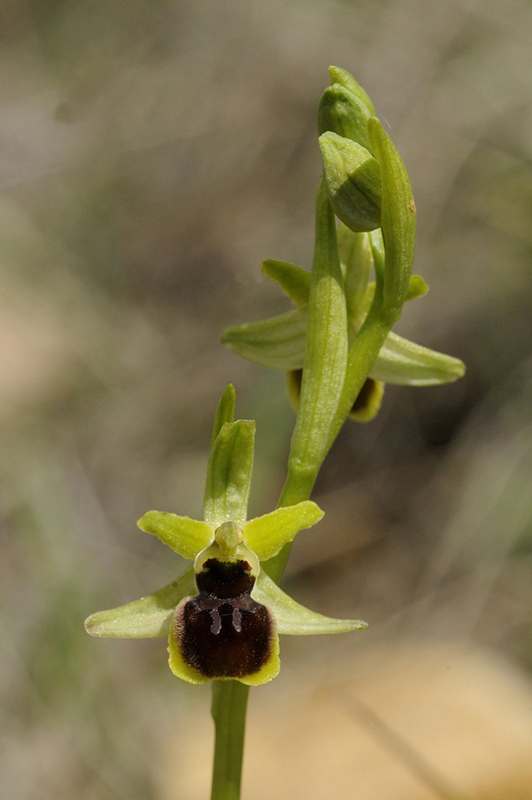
151	156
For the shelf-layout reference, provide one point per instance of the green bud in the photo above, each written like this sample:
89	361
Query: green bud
345	79
343	113
352	178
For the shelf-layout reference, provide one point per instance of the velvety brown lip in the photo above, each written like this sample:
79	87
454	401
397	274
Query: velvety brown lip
223	632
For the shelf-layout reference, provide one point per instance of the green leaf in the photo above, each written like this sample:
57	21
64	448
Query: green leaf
345	79
325	347
353	181
398	214
229	473
278	342
266	535
294	281
409	364
294	619
225	411
342	112
184	535
145	618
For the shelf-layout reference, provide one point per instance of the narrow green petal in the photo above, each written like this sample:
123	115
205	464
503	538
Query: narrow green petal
398	215
145	618
294	619
408	364
266	535
225	411
293	280
278	342
184	535
229	473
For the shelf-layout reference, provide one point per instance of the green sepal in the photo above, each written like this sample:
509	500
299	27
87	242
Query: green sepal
184	535
398	214
268	534
293	619
277	342
229	473
146	618
409	364
352	177
225	410
293	280
342	112
345	79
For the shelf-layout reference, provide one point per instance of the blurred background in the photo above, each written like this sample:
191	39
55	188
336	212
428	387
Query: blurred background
151	155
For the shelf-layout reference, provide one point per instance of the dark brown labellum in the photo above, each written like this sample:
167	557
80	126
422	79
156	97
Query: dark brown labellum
223	632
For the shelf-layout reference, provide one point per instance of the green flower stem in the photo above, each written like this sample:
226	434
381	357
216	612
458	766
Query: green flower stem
333	376
229	704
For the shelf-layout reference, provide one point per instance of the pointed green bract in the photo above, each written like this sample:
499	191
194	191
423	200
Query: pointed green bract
352	178
184	535
225	411
325	348
398	214
266	535
146	618
277	343
294	619
409	364
345	79
229	473
293	280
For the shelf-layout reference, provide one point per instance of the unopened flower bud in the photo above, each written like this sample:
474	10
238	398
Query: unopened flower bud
352	178
342	112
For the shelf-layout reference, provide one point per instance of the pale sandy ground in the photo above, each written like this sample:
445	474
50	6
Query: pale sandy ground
414	722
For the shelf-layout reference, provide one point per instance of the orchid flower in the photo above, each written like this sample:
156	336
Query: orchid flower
223	615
